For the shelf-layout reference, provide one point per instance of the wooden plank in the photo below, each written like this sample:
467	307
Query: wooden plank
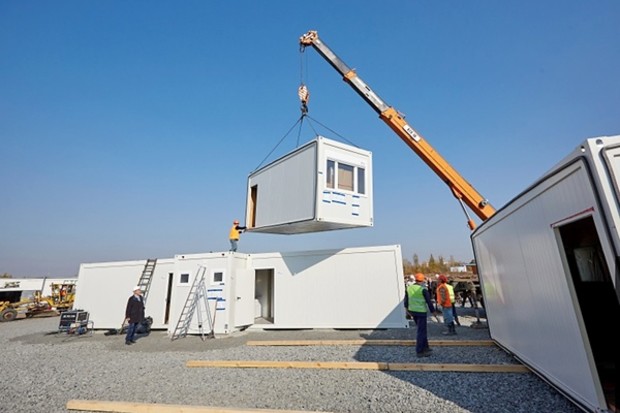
469	368
129	407
364	342
474	368
288	364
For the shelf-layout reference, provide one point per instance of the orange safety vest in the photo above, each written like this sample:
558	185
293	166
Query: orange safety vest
444	302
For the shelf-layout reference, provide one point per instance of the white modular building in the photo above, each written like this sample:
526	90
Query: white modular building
322	185
281	290
11	289
548	263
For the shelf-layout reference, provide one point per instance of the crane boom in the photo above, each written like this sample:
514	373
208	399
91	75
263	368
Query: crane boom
460	188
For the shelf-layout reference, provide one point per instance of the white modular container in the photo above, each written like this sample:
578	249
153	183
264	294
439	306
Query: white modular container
33	284
322	185
326	288
304	289
548	266
104	288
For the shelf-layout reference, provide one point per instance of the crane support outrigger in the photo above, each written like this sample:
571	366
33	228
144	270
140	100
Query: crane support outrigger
461	189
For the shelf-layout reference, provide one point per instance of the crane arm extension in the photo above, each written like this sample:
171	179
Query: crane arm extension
460	188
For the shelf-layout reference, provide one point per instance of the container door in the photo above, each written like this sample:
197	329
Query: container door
244	298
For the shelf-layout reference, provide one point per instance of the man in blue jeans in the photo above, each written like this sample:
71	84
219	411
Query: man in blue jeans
417	299
134	314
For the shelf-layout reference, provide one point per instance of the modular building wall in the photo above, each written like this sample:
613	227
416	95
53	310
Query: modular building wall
220	274
348	288
547	263
322	185
104	289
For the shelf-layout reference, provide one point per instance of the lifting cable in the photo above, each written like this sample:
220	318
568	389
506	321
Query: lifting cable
304	96
310	118
299	121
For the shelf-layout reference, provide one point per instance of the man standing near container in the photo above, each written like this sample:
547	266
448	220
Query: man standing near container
443	300
453	301
235	230
417	299
134	314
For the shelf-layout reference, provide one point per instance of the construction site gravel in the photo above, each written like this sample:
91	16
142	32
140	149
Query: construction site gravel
44	369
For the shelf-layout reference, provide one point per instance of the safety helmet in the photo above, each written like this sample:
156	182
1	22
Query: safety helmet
235	222
443	278
419	277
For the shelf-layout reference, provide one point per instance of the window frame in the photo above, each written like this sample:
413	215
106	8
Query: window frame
332	176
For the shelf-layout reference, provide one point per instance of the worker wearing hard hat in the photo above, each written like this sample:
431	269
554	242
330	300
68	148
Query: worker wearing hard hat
235	231
453	300
134	314
443	300
417	300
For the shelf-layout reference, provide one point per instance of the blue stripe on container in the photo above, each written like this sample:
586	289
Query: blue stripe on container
339	202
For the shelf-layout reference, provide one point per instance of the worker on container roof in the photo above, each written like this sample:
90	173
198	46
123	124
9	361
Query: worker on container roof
233	236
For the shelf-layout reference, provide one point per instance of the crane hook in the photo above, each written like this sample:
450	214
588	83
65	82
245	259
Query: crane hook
304	96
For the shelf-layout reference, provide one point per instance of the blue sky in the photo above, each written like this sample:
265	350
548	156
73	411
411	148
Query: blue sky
128	129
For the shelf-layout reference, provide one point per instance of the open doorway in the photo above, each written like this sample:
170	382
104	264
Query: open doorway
168	298
263	297
596	297
252	207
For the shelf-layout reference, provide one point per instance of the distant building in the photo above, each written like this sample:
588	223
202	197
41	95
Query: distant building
459	268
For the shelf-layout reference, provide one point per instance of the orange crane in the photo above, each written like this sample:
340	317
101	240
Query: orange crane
461	189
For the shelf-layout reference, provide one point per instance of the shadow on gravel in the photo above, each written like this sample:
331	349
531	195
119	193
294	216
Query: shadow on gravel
476	392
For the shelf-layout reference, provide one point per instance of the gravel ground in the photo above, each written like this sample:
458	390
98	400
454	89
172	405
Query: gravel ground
43	369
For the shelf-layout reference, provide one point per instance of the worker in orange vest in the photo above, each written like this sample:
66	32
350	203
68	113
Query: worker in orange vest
443	300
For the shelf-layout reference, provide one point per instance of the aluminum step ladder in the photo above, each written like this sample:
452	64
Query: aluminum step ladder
147	276
197	302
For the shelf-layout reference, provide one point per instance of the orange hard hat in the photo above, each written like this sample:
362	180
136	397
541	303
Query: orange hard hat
419	277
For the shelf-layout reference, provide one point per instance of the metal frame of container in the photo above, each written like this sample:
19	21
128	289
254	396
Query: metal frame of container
548	266
306	190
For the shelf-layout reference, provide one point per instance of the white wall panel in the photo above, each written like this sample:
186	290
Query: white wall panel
530	306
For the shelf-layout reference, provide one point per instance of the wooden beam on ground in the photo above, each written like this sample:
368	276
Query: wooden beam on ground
129	407
363	342
357	365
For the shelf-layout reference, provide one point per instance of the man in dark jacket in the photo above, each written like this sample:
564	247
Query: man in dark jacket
417	301
134	314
